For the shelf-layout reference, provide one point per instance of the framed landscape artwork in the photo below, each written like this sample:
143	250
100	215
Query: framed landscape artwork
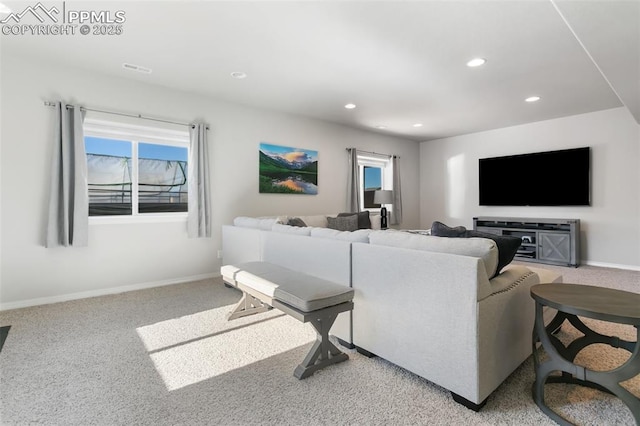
286	170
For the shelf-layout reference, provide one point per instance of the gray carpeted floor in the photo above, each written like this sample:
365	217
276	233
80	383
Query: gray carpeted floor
166	356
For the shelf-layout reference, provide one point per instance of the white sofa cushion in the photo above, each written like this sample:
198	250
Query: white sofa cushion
246	222
290	220
475	247
255	222
266	223
288	229
360	236
318	221
283	220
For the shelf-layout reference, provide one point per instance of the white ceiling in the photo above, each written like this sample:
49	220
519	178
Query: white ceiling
401	62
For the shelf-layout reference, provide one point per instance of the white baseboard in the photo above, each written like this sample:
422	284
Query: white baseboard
102	292
143	286
612	265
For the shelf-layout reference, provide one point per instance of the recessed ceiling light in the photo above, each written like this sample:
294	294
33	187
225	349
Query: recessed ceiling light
138	68
417	125
350	106
239	75
476	62
532	99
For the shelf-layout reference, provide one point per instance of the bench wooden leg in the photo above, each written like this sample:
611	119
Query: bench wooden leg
248	305
323	353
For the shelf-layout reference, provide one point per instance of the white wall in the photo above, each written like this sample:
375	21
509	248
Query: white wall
610	226
131	255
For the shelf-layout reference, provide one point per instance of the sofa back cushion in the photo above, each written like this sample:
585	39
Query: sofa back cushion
482	248
264	223
507	245
321	257
288	229
319	220
360	236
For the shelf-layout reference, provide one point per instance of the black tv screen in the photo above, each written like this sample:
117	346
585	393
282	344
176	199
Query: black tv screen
552	178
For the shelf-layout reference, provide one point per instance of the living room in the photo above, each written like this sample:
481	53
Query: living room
439	174
439	177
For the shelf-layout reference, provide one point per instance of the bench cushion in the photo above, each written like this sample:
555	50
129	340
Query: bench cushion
301	291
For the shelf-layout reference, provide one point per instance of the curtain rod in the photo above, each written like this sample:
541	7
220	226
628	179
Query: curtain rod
124	114
372	152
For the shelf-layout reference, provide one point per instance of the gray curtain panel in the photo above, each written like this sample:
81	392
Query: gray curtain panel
68	221
353	182
396	216
199	216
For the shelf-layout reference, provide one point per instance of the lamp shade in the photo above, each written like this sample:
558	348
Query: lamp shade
383	196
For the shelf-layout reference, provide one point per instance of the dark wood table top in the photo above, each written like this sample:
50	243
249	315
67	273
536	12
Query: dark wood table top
601	303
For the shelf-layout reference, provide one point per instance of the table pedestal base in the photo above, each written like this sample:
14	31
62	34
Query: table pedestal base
561	359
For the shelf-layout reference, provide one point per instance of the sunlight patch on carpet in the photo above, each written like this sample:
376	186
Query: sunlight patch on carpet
204	345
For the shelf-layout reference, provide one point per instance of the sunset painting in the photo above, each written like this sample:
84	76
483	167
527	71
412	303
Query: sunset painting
286	170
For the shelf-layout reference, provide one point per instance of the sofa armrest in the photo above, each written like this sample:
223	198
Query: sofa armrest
418	309
507	279
505	324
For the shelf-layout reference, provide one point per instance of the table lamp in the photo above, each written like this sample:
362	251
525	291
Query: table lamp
382	197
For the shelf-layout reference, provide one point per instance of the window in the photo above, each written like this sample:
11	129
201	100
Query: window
135	170
375	173
109	176
372	181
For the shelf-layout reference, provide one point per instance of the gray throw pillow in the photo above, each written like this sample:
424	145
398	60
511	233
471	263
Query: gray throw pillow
364	222
439	229
343	223
296	221
507	245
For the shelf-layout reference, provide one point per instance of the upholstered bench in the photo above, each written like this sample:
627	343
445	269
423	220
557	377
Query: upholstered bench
304	297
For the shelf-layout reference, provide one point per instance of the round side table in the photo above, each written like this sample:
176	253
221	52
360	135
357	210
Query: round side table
571	301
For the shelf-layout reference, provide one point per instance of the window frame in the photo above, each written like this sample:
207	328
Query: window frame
136	134
386	182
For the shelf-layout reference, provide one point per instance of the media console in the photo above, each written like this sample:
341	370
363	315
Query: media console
552	241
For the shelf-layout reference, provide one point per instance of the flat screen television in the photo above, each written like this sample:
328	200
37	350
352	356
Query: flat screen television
552	178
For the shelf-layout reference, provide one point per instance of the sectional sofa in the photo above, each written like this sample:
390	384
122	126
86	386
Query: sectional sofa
435	306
